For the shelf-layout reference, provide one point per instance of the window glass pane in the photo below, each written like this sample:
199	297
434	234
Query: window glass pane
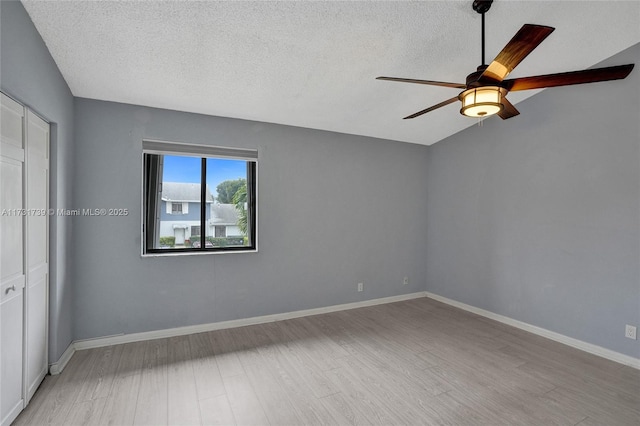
227	220
195	204
179	207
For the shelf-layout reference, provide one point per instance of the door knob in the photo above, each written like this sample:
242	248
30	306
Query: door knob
13	287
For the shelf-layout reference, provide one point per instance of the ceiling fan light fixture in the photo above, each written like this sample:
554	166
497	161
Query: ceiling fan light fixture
482	101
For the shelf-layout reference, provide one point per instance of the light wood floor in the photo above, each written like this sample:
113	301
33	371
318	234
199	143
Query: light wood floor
413	362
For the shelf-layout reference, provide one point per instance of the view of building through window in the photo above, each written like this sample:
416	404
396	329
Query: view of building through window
188	218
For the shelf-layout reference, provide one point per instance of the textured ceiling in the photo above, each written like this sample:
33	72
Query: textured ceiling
313	64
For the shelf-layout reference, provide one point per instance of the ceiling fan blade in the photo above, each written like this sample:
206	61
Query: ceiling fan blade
424	111
429	82
523	43
508	111
568	78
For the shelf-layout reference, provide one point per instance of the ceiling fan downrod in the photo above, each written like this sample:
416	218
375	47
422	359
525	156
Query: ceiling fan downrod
482	7
483	62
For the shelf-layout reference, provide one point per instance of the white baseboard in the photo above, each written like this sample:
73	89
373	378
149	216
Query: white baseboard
561	338
181	331
57	367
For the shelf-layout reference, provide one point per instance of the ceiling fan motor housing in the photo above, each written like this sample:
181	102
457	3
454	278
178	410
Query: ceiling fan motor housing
472	79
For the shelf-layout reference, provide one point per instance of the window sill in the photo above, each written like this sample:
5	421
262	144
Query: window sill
195	253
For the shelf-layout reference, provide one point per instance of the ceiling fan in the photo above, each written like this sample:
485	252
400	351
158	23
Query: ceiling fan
485	91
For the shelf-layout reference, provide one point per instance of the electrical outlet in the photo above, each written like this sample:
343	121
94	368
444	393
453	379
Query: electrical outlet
630	332
405	281
360	286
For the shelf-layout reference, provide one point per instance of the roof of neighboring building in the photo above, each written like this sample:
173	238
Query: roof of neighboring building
180	191
225	214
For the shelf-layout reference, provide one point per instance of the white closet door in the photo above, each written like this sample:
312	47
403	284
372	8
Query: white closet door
12	268
37	182
11	311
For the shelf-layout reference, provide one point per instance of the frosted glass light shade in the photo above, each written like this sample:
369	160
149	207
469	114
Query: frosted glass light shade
482	101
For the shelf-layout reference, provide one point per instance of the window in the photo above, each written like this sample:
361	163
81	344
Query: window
176	208
198	198
221	231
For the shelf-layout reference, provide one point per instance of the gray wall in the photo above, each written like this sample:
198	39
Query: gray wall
334	210
538	217
29	74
